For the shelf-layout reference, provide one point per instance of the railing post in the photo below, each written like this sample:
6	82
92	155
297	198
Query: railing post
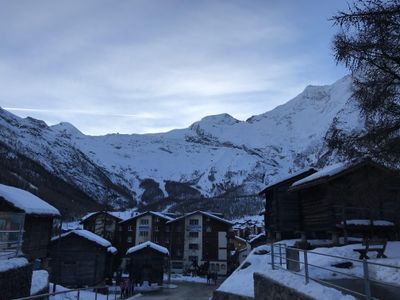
280	254
95	295
306	266
272	256
367	284
78	296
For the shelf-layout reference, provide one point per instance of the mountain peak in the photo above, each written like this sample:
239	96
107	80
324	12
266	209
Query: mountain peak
66	127
215	120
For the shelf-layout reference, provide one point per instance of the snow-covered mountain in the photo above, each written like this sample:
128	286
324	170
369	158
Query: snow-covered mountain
215	155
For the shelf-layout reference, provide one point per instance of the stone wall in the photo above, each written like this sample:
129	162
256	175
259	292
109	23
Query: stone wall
266	288
218	295
16	282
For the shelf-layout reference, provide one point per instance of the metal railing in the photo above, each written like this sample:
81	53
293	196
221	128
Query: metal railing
11	234
279	251
76	293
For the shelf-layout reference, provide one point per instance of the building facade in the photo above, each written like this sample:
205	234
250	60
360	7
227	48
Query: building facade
200	237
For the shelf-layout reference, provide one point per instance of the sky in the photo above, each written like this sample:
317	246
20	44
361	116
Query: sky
141	66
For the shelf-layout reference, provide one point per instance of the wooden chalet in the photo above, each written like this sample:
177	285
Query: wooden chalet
37	219
200	237
147	226
146	262
80	258
104	224
282	208
350	199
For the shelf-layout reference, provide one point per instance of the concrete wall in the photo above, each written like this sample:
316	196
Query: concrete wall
266	289
16	283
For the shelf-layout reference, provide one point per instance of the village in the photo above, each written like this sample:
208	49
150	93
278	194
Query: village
129	254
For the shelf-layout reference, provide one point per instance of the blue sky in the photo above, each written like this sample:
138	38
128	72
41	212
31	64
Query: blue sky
149	66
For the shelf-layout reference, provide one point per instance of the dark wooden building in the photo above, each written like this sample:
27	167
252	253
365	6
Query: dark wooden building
80	258
104	224
282	208
37	222
200	237
358	198
146	262
147	226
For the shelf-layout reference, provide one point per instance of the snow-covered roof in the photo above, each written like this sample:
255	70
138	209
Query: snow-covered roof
154	213
286	178
89	236
112	250
257	237
240	239
203	213
121	215
27	201
12	263
148	244
325	172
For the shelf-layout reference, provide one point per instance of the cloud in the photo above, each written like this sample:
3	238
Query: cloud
157	65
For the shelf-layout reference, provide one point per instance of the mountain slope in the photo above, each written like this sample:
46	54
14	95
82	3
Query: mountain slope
214	156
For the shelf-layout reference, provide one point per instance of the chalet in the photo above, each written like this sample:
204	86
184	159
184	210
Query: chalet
146	262
147	226
247	228
36	218
200	237
102	223
358	198
282	208
80	258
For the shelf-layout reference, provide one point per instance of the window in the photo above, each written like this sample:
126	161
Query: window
144	222
156	228
194	222
129	239
130	228
193	246
193	234
144	233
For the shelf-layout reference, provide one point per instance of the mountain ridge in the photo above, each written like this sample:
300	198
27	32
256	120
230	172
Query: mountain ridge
214	156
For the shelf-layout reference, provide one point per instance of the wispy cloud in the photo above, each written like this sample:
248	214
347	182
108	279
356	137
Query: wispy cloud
161	64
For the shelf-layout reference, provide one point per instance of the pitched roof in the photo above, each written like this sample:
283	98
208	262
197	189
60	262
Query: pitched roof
330	172
154	213
27	201
210	215
148	244
287	178
119	215
89	236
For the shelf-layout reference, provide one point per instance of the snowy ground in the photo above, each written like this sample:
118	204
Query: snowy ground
183	278
241	281
40	279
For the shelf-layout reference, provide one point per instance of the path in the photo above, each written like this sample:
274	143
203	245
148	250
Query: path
184	291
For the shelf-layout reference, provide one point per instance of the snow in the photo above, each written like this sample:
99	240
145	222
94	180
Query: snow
87	235
213	155
241	281
325	172
287	177
122	215
150	245
184	278
26	201
210	215
85	294
40	280
12	263
366	222
256	237
112	250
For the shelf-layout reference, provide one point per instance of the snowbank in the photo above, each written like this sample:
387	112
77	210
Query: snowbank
40	280
26	201
150	245
12	263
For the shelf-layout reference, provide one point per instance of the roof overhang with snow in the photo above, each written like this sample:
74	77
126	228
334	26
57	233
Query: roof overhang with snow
204	213
148	245
153	213
26	201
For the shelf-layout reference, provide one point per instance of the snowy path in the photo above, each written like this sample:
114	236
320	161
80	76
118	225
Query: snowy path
185	291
